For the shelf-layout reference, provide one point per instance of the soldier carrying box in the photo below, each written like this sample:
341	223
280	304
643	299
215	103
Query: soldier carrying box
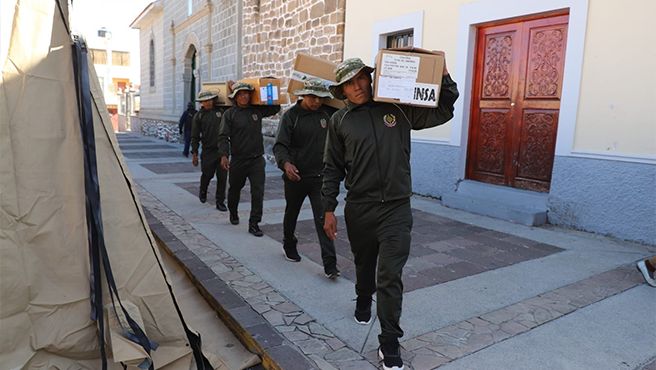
368	146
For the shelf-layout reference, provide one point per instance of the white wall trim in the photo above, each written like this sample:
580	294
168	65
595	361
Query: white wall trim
414	21
479	12
431	141
633	158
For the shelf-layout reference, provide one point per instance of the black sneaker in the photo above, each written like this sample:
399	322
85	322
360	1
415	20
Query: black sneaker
332	273
221	207
292	255
255	230
390	353
202	196
363	310
234	218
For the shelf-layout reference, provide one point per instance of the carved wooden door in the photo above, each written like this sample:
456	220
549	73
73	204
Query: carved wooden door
516	98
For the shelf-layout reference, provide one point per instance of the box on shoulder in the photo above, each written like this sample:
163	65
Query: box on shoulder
306	67
221	89
408	76
266	90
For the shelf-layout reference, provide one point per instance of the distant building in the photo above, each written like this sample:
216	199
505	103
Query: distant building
185	43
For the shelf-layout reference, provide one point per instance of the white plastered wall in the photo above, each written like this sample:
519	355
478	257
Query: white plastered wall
608	86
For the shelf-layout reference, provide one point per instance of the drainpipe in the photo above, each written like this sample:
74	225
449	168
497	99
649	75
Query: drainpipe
208	46
173	105
240	35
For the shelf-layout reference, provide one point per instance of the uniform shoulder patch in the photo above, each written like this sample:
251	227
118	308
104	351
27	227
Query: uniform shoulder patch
389	120
323	123
218	114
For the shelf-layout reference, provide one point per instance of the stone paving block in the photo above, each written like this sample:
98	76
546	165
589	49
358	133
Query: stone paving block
246	292
287	307
413	344
285	329
343	354
201	272
265	335
296	336
246	316
335	343
357	365
313	346
225	296
303	319
317	329
429	361
321	363
288	358
273	317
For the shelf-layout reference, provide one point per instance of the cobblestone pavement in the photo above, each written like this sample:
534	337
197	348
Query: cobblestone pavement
444	251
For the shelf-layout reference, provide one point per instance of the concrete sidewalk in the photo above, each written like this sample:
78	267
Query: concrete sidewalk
480	293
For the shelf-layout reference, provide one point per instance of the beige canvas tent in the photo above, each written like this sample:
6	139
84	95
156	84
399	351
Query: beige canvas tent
68	213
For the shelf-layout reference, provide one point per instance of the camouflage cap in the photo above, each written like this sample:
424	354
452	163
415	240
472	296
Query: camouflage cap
238	87
345	71
205	95
313	86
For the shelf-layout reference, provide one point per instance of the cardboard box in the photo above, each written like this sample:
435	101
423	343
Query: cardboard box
408	76
306	67
219	88
267	90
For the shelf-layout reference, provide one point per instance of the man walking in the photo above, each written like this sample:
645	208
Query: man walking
184	126
205	129
240	138
299	154
368	144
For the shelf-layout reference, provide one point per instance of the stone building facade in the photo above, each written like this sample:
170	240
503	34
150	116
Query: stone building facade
276	30
184	43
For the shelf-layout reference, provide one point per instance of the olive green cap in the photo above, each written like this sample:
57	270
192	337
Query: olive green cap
205	95
238	87
345	71
313	86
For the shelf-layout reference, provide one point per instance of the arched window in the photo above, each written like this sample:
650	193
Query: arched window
152	62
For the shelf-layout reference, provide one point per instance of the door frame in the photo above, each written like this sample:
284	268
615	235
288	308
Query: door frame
487	12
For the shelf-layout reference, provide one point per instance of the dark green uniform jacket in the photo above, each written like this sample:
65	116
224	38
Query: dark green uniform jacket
301	139
205	129
370	145
241	131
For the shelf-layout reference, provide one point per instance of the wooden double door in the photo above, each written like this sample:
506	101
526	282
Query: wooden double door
516	100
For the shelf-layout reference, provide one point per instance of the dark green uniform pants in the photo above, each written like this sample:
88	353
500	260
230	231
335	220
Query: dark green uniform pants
295	193
253	170
209	165
380	232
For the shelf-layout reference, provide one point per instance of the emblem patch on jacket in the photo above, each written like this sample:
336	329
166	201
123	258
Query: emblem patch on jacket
255	117
218	114
389	120
323	122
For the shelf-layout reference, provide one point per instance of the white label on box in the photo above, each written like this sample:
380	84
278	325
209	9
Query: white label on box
402	66
424	94
273	91
395	88
302	77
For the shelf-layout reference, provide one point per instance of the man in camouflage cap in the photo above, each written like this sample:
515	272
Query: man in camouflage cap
299	149
205	129
241	149
368	145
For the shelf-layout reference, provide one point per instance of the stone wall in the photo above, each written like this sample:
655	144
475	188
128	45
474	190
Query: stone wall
276	30
164	130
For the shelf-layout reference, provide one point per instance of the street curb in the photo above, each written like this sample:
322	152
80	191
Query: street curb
252	330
